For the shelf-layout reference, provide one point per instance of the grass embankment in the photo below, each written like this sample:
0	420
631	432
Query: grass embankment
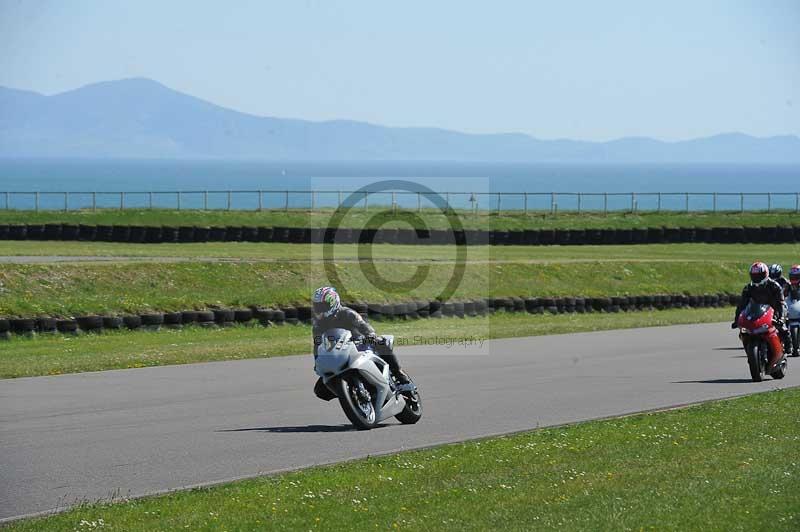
67	290
74	289
708	467
358	217
53	355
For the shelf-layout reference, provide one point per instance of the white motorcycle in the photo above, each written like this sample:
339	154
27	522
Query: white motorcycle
363	382
793	318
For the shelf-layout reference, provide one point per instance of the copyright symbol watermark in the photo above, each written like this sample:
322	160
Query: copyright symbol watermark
394	283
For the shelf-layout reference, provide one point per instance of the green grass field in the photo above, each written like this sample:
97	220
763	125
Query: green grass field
53	355
431	219
726	465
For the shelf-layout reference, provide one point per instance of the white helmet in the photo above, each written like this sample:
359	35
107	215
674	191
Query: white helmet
326	302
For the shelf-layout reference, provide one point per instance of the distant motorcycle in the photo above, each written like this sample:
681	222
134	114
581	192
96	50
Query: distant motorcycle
793	315
363	383
761	342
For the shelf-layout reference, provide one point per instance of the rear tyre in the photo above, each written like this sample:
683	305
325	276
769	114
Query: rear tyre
795	331
413	410
754	361
356	401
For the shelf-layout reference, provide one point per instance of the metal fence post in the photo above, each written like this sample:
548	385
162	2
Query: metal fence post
36	197
94	201
447	200
339	205
179	199
769	201
687	202
741	202
66	201
229	199
525	195
313	199
605	202
552	203
633	202
797	202
121	200
394	202
714	202
260	200
658	208
498	203
579	202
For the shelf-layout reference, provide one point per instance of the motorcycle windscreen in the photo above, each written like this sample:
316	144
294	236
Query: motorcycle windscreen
755	311
333	354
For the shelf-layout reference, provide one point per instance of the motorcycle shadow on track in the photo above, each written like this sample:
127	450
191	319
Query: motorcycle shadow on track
715	381
298	429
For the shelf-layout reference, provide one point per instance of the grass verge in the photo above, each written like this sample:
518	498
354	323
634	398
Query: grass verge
53	355
698	468
247	251
505	220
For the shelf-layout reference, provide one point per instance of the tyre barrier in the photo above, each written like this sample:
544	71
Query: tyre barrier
120	233
250	234
89	323
87	233
372	311
217	234
67	326
290	315
112	322
300	235
173	319
17	232
35	232
46	324
233	234
223	315
104	233
132	321
186	234
242	315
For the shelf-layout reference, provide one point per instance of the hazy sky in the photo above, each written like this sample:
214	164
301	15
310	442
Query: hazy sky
586	70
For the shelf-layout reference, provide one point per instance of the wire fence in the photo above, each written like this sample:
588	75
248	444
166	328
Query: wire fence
475	202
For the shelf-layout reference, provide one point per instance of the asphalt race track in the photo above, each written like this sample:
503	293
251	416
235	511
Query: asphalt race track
71	438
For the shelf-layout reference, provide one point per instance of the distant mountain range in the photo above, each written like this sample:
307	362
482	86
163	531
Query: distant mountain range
140	118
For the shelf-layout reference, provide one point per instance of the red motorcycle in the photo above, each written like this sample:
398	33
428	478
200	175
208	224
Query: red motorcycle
761	342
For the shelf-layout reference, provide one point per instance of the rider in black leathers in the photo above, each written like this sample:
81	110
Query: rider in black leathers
776	274
764	291
329	314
